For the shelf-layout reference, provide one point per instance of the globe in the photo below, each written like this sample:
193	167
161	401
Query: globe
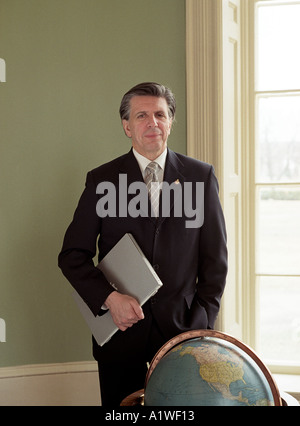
208	368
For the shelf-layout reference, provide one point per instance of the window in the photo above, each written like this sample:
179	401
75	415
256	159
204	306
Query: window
243	91
277	181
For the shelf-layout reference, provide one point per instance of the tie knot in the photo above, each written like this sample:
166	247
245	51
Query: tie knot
153	167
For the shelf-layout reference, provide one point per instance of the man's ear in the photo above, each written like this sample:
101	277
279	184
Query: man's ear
126	128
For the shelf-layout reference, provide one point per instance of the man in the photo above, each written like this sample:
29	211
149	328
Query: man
190	259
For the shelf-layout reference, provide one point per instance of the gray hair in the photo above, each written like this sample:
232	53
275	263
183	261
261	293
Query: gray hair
148	89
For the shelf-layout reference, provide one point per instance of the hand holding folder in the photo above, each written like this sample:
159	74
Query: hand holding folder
131	274
124	309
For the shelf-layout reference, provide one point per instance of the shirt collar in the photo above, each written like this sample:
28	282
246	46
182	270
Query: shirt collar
143	161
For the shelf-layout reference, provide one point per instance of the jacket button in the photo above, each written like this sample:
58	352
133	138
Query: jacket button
153	300
156	267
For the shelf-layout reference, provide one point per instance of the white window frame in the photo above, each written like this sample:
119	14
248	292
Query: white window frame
205	137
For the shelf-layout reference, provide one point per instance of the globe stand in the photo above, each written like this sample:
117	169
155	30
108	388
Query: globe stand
133	400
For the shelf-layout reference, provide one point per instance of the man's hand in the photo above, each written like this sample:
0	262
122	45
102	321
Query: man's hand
125	310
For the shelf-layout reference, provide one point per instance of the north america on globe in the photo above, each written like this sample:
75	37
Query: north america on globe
219	370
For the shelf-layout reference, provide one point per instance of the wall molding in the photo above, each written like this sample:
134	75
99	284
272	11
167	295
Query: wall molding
63	384
46	369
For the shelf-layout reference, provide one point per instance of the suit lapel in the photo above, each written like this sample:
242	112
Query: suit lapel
130	167
173	174
174	168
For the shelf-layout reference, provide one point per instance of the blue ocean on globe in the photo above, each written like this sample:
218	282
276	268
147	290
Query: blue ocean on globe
207	371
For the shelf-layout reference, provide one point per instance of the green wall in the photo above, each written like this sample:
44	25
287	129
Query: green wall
68	63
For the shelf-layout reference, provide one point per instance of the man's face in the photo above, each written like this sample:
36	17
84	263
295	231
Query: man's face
149	125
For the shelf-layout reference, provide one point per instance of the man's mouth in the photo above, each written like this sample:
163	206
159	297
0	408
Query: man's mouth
153	134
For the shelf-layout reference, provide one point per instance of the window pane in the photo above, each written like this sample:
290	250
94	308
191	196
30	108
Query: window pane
278	35
278	139
279	327
278	231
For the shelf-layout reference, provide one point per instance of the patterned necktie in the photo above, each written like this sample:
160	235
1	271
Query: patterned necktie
153	186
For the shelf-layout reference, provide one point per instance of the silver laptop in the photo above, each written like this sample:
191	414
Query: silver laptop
130	272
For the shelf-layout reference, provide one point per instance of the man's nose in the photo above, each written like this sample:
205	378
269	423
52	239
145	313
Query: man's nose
152	121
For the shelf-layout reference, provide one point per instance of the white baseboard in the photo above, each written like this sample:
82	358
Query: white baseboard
66	384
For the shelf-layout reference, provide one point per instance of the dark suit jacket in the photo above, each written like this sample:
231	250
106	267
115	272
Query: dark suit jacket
191	262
